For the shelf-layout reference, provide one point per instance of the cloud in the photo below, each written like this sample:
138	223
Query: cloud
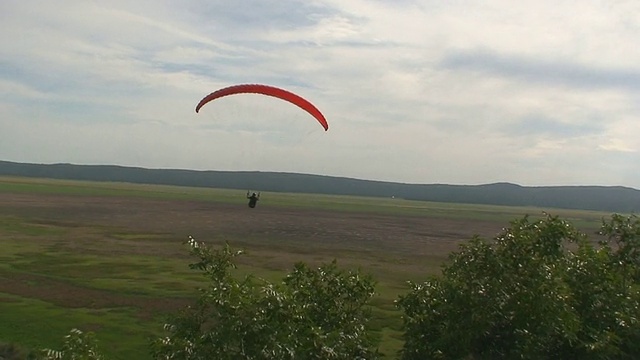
453	92
536	71
618	145
540	124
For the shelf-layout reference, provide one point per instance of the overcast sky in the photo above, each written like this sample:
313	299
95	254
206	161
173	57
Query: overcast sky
458	92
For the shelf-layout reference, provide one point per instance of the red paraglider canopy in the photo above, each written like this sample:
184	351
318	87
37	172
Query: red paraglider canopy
270	91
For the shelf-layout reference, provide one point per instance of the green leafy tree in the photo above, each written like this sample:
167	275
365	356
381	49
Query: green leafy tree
77	345
313	314
528	295
623	235
609	291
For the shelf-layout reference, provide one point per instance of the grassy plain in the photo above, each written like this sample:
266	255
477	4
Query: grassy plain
110	257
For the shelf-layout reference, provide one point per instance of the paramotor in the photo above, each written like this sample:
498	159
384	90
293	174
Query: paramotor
269	91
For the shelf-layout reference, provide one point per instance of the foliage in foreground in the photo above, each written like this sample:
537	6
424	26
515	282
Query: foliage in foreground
540	290
313	314
77	345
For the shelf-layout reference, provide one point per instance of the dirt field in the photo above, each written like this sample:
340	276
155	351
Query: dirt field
277	237
209	220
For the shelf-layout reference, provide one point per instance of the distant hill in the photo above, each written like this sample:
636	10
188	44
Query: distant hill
600	198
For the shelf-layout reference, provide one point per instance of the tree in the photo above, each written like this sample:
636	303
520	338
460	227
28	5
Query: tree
529	295
77	345
313	314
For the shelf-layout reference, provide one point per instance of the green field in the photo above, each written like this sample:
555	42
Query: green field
110	257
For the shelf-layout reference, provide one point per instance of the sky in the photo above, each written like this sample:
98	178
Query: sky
537	93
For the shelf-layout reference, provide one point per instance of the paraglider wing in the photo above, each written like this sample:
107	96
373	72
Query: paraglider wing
270	91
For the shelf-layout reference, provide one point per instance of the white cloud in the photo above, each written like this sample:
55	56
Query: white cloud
620	145
454	92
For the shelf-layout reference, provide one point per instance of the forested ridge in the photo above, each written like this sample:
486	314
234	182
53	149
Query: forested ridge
600	198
